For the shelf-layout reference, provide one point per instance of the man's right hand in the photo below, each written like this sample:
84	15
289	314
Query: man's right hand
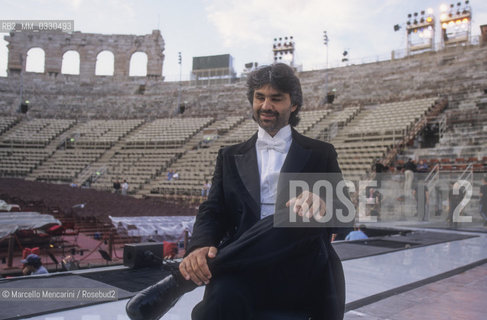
195	266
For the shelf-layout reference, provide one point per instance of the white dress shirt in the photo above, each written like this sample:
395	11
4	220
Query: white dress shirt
271	153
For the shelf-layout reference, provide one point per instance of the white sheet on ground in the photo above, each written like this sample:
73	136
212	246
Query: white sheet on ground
168	228
13	221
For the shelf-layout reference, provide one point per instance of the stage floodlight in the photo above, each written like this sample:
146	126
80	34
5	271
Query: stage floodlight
397	27
430	11
429	19
443	8
421	20
465	20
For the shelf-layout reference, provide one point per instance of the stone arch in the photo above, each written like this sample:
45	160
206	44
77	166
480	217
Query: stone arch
35	60
70	62
105	63
138	64
89	46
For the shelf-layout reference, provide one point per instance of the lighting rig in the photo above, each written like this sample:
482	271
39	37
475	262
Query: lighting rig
420	29
283	49
456	23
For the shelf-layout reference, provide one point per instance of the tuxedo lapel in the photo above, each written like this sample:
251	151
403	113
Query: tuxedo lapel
248	170
296	160
297	157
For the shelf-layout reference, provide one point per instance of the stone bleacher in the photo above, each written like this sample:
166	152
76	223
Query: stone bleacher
141	138
463	139
35	133
375	130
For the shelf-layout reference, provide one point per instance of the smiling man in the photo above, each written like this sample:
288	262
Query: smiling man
252	269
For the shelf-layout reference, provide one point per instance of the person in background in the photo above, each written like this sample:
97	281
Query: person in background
206	189
33	265
116	186
125	188
422	167
357	234
409	170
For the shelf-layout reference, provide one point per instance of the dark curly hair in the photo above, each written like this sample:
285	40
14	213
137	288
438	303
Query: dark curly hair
281	77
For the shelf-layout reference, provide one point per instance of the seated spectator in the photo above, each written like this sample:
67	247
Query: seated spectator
357	234
33	265
170	175
175	176
422	166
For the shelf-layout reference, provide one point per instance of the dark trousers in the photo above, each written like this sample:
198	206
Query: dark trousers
283	269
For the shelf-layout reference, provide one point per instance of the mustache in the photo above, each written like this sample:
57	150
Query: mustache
268	112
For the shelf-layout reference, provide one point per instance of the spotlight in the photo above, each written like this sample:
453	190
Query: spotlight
421	20
409	15
429	19
397	27
429	11
415	14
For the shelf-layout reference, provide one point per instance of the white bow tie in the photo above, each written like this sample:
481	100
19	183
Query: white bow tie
278	145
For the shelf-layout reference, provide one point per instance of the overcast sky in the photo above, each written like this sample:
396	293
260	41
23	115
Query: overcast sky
243	28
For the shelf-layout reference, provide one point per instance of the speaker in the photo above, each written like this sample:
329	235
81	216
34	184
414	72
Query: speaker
24	107
146	254
330	98
182	108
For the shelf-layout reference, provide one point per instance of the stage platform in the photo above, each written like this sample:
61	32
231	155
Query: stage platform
414	273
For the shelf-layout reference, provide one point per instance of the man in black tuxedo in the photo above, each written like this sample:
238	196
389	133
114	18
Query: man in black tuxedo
251	268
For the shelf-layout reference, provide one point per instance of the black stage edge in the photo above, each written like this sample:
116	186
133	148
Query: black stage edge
404	239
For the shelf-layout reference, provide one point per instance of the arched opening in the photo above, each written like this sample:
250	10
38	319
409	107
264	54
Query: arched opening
36	59
70	64
104	63
138	64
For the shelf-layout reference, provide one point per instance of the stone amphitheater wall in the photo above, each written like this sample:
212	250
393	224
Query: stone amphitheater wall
429	74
